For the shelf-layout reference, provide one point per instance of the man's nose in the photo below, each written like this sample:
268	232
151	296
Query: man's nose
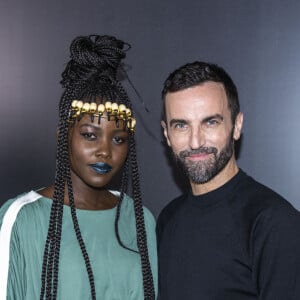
197	137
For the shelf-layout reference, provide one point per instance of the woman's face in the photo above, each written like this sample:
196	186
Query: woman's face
97	151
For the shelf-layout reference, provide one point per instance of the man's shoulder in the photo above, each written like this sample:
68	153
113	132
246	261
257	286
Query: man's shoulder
171	209
257	194
254	201
173	205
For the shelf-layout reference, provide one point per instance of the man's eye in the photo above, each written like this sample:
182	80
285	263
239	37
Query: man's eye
88	136
119	140
179	126
213	122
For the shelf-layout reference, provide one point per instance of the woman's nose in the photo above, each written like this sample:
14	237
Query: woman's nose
103	149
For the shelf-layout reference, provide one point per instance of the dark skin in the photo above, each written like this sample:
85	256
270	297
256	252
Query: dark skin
90	143
103	200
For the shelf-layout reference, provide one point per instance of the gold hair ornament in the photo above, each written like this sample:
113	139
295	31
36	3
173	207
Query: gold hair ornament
114	110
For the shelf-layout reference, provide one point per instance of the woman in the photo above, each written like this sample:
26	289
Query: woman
76	239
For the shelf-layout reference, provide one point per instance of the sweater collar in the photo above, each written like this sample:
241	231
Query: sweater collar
218	194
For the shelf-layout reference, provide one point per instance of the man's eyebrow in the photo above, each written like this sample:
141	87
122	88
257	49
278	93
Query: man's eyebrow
176	121
182	121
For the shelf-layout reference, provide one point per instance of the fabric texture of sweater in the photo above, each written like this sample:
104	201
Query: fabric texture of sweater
238	242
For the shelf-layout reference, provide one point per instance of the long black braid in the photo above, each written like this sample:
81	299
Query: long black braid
91	72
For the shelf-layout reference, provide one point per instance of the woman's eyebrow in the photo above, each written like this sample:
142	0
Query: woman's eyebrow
89	125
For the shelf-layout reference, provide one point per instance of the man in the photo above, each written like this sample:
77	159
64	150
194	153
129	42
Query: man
229	237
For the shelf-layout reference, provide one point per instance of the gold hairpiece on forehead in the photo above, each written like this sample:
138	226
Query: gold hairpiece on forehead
114	110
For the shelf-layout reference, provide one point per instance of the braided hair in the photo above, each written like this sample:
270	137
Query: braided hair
91	73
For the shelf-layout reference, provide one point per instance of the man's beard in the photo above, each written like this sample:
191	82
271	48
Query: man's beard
203	171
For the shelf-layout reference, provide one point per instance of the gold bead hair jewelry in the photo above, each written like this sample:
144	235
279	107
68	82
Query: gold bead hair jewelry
114	111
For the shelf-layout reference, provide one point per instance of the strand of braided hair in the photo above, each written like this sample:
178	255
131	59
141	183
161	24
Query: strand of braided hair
49	277
149	293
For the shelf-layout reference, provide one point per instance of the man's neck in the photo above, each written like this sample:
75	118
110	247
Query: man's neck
230	170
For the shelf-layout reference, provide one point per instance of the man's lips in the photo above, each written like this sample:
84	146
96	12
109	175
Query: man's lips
198	156
101	167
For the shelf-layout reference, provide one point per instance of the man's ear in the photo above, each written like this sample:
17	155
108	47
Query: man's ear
164	126
238	125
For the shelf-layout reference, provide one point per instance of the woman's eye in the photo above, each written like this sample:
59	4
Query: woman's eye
88	136
119	140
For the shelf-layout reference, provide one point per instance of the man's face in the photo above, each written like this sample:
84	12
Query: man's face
199	130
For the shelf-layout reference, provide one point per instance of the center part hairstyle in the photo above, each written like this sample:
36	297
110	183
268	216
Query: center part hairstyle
196	73
90	75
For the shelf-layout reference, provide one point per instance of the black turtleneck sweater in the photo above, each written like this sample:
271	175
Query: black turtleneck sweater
238	242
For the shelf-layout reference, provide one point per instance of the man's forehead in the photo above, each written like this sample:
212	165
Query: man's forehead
209	88
197	100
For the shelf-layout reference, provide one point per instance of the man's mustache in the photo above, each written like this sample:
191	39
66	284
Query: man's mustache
201	150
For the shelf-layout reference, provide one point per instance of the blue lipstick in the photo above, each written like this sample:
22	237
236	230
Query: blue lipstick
101	167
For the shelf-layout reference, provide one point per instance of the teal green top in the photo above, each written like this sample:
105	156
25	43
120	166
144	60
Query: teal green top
117	271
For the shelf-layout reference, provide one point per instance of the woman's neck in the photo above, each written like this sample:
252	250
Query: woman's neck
86	197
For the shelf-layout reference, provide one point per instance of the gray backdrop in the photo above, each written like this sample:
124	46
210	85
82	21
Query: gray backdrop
256	41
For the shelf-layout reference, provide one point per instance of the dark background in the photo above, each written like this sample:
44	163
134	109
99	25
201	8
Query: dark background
256	41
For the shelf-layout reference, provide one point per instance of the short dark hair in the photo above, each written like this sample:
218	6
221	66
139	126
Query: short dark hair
198	72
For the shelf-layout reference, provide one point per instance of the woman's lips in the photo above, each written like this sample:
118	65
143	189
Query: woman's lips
101	167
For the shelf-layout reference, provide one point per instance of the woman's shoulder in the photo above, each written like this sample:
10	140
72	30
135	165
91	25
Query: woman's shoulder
19	199
22	203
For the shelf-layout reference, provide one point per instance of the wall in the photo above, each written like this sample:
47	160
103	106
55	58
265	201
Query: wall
256	41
